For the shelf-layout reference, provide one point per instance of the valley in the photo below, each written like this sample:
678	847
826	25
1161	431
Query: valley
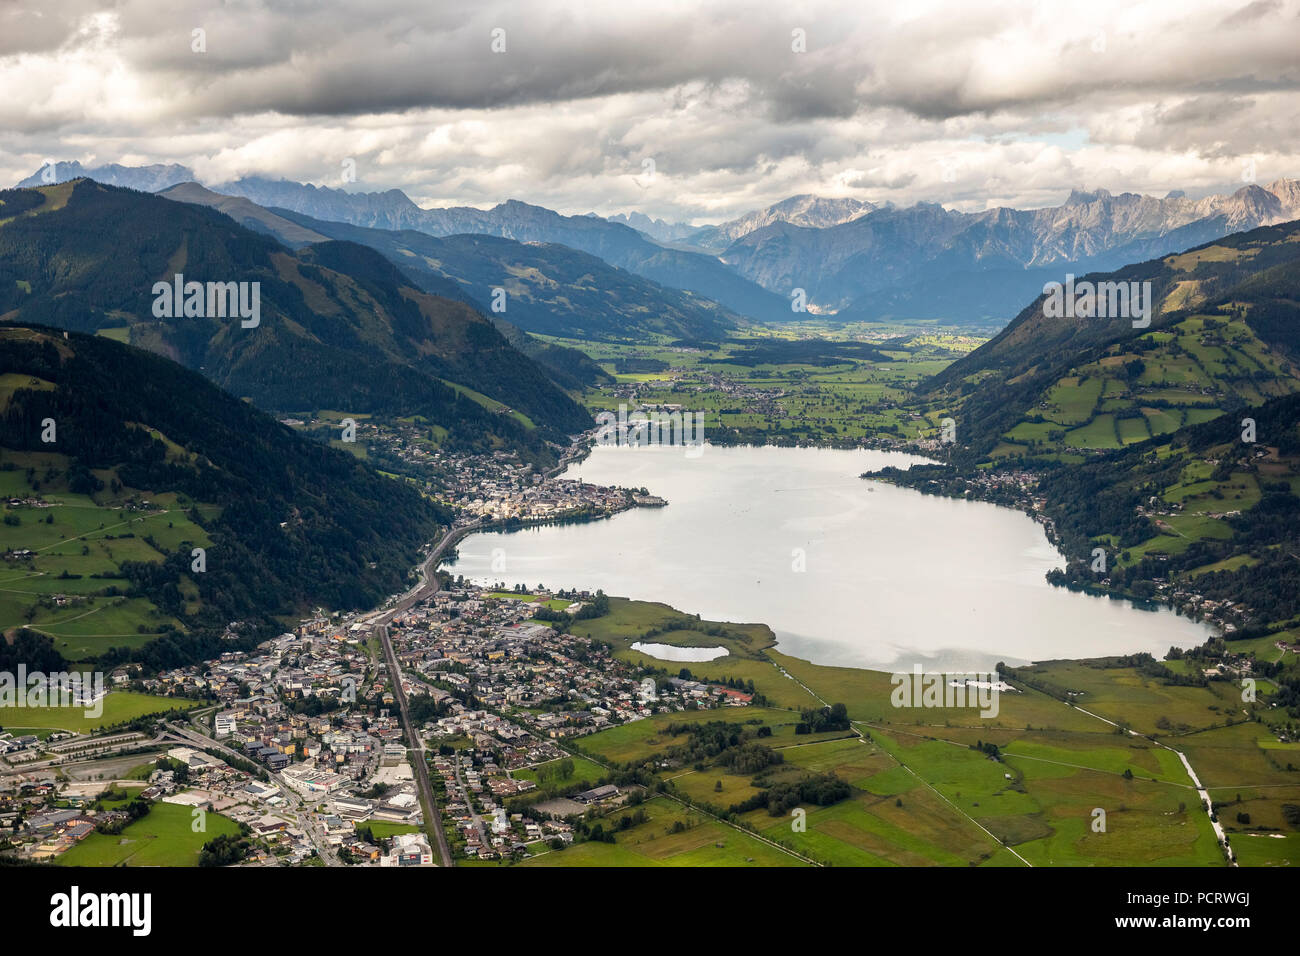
467	439
381	405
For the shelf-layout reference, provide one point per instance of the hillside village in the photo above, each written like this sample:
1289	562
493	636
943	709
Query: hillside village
494	487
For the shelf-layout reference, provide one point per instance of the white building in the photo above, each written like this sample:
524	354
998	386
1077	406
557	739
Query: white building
409	849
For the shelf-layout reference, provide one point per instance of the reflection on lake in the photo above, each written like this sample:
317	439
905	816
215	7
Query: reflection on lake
845	571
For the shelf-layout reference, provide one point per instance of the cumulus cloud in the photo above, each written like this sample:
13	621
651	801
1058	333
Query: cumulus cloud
737	103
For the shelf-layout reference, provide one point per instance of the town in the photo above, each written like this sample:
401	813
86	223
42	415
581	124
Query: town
299	749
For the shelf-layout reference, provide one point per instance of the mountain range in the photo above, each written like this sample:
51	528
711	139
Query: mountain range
811	212
697	272
394	323
928	261
802	210
853	259
146	179
549	288
340	326
659	230
1223	333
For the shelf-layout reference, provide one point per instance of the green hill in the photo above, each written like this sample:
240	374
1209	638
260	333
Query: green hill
1173	448
1200	507
150	461
550	288
1224	333
340	327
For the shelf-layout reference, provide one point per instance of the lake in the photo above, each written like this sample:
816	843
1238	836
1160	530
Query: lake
844	571
689	655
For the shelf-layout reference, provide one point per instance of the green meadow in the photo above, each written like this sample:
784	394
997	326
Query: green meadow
118	707
672	836
71	588
1042	783
165	837
549	772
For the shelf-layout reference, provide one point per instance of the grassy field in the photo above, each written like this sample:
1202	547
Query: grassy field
1183	375
582	770
920	801
699	841
71	588
119	706
383	830
645	738
163	838
1126	697
555	604
826	401
748	659
1064	787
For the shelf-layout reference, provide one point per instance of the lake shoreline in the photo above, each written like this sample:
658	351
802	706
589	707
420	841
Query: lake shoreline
958	586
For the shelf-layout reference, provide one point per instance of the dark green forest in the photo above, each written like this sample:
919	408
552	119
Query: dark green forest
340	327
300	524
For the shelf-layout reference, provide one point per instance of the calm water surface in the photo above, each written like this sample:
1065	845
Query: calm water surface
890	577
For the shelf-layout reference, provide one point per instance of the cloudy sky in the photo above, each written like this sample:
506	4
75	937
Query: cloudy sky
694	110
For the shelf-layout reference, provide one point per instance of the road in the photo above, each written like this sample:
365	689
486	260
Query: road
469	802
428	585
1205	801
568	458
293	800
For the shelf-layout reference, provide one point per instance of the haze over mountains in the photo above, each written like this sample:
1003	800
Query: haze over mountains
803	210
853	259
619	245
549	288
658	229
